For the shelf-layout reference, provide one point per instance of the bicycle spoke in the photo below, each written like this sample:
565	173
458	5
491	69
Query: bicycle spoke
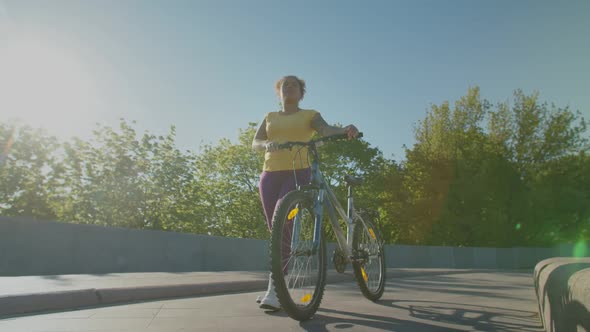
300	264
370	268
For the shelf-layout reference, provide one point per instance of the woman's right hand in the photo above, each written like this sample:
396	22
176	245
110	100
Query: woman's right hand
271	146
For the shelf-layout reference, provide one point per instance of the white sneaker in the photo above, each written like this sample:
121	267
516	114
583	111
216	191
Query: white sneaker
270	302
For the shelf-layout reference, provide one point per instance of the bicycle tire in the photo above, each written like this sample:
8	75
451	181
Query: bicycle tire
367	242
296	306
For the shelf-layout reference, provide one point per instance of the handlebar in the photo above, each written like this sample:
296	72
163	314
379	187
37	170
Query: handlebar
289	145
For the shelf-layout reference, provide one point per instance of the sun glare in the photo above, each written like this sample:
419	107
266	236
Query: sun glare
44	85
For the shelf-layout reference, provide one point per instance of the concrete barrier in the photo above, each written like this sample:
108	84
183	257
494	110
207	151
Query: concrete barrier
579	306
562	286
35	247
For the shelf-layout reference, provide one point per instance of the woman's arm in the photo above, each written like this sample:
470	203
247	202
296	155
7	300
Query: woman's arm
260	141
324	129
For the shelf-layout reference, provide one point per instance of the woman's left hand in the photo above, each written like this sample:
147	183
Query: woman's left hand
351	131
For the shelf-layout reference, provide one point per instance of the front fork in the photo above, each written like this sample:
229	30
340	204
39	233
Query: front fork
350	220
317	231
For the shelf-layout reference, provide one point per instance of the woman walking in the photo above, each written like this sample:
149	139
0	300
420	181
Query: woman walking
282	169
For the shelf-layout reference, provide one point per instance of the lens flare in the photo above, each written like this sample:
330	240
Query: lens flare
7	147
9	143
580	249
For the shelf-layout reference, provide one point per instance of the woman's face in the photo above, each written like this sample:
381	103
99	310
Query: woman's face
290	91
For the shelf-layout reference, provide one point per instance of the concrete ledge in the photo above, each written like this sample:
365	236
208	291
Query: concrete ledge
26	303
120	295
579	305
19	304
562	286
31	303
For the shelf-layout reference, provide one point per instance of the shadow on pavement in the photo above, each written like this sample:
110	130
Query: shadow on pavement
419	272
355	320
478	317
474	287
58	279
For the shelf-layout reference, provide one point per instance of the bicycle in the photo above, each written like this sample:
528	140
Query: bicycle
298	250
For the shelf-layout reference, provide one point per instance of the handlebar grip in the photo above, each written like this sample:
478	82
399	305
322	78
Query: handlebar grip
345	136
360	135
284	146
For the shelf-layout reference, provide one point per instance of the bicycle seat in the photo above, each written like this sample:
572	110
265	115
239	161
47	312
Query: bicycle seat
353	181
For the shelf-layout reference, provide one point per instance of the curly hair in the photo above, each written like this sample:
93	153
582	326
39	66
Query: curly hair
284	78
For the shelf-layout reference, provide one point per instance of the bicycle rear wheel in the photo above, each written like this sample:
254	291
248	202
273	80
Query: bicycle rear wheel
369	263
298	266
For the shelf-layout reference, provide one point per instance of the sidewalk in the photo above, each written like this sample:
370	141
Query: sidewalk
30	294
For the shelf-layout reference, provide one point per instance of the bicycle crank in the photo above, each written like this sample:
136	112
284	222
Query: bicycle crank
339	260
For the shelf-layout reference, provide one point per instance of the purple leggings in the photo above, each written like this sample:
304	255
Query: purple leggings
273	187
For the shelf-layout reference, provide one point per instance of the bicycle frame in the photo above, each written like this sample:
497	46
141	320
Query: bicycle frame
326	197
299	272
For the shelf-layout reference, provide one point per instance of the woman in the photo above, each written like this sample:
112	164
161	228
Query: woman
278	178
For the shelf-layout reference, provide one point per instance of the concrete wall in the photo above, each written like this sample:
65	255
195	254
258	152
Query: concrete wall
33	247
466	257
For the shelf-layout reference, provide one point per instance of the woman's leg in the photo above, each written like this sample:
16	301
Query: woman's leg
270	187
273	187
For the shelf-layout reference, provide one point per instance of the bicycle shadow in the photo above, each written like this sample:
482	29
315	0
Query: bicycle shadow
408	314
320	322
445	284
478	317
473	317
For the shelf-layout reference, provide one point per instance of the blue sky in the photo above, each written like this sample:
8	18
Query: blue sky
209	67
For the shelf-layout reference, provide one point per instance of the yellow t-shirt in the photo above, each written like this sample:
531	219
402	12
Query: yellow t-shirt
281	128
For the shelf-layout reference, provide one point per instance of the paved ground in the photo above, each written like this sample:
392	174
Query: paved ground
445	301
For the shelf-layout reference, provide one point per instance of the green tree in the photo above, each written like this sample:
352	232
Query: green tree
26	176
478	175
120	179
469	186
228	176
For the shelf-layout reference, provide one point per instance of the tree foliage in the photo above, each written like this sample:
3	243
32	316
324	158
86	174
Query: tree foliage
478	174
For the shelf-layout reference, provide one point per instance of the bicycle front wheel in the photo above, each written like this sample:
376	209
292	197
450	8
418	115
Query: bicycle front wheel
298	263
369	258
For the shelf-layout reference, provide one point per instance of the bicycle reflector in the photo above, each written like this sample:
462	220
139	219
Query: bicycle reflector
372	234
364	274
293	213
306	298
